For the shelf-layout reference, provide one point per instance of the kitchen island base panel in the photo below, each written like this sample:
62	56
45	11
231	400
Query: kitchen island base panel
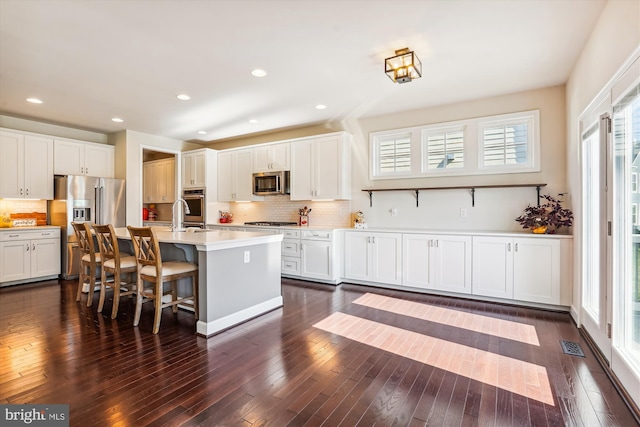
232	290
209	329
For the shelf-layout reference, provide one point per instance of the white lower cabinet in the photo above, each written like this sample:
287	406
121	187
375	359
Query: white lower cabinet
441	262
316	254
373	257
29	254
536	270
524	269
291	252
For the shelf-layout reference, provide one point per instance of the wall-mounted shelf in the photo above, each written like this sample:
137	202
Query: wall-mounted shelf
471	188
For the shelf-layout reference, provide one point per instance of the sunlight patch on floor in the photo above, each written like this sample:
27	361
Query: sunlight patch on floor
524	378
472	322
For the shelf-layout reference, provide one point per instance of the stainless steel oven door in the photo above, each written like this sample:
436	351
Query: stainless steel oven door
197	204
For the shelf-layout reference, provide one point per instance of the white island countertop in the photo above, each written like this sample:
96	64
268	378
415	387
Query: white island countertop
208	240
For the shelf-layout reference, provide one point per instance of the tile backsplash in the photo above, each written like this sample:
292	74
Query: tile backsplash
335	213
22	206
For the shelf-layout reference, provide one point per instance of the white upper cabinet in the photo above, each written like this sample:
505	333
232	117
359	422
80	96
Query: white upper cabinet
83	158
321	168
200	170
194	169
26	166
159	181
235	175
275	157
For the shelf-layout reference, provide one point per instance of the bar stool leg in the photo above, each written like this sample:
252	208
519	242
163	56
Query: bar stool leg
136	318
158	305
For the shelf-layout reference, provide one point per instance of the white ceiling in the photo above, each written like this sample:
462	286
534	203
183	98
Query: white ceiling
90	61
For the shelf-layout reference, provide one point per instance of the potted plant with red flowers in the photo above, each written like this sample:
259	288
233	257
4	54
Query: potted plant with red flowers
548	217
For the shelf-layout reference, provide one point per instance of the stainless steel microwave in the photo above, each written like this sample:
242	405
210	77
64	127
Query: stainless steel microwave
268	183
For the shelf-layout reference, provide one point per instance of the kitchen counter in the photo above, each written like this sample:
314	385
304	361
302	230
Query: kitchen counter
209	240
39	227
519	233
239	273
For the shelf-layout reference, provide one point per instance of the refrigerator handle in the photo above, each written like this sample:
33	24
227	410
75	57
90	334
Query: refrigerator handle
98	208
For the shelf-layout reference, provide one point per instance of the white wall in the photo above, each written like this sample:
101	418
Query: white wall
128	159
614	38
495	209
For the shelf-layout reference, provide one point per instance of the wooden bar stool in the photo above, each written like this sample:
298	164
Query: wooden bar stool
89	262
117	264
152	270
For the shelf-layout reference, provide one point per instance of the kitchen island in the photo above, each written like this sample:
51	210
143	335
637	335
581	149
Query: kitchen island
239	272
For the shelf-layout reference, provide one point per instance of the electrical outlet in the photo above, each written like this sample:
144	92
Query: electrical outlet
463	213
247	257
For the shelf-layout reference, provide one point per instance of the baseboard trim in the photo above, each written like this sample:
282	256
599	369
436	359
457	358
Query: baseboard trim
622	391
207	329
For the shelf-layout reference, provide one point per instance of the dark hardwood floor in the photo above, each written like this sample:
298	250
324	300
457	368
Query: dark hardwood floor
344	356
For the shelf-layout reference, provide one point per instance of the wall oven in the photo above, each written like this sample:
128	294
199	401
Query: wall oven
197	203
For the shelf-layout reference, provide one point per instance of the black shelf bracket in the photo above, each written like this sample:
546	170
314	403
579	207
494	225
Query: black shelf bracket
370	198
417	197
538	191
473	197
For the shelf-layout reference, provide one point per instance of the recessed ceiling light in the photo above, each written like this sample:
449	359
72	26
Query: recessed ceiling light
201	132
34	100
253	121
259	73
183	97
117	120
320	107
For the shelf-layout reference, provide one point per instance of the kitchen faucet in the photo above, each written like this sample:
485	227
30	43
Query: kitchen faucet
175	226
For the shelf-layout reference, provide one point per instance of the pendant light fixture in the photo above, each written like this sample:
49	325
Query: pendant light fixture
403	67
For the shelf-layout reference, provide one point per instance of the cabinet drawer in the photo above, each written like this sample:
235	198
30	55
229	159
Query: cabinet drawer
291	234
316	234
291	247
8	236
291	266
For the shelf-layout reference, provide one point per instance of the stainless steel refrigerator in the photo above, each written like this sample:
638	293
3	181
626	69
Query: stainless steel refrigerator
84	198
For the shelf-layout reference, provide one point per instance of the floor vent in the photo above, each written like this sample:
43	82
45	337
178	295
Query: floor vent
571	348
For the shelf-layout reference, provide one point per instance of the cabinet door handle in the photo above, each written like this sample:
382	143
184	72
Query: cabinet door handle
27	247
21	191
33	247
374	239
508	247
86	170
81	170
437	242
516	247
27	191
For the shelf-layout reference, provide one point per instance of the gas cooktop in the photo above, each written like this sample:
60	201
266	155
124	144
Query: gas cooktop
271	223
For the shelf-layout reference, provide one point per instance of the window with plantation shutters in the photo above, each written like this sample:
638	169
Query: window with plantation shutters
507	143
443	149
394	154
501	144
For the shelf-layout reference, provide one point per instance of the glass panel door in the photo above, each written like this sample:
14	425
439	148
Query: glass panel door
595	287
626	229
